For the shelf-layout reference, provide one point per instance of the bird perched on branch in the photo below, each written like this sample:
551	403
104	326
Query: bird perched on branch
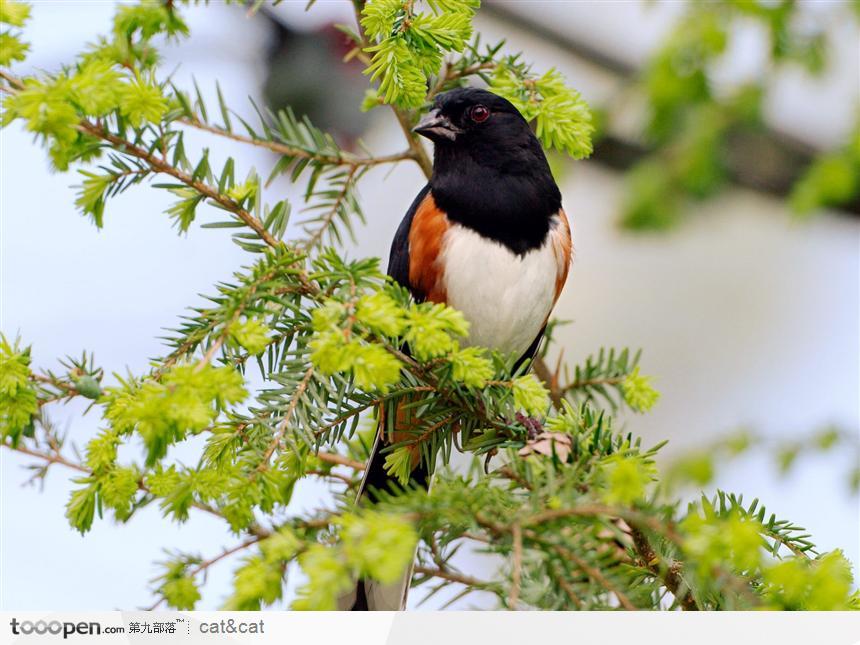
488	236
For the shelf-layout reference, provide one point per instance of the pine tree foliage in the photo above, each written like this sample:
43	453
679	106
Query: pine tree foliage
692	121
574	507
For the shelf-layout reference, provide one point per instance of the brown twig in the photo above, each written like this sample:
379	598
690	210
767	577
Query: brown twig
516	575
342	159
50	458
366	406
340	460
57	458
565	587
452	74
282	428
420	154
159	165
326	220
564	552
205	564
614	380
225	332
16	83
592	572
598	510
332	475
668	574
417	151
451	576
549	379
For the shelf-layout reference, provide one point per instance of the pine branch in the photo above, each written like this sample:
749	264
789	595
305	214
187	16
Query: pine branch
592	572
160	165
340	460
669	574
336	209
417	151
64	461
516	576
342	159
277	440
204	565
452	576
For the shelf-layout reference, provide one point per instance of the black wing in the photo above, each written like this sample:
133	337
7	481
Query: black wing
398	261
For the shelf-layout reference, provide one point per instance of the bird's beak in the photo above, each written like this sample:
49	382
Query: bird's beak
433	125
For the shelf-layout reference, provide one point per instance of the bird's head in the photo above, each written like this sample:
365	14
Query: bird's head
489	170
466	115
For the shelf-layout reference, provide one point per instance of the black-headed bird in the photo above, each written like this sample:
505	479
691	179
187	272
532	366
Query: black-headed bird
487	236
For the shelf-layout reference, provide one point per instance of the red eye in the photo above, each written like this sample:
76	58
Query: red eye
479	114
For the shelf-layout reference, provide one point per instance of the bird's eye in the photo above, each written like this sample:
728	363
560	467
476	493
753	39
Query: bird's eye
479	113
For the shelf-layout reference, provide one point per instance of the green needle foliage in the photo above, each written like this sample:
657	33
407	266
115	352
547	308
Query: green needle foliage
574	508
692	125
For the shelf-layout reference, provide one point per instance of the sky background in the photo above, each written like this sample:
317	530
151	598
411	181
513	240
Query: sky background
747	317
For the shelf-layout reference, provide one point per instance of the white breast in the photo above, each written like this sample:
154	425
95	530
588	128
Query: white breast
505	297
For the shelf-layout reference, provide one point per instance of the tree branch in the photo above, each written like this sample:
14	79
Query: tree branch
516	575
328	218
592	572
417	151
340	460
205	564
282	429
766	160
57	458
342	159
668	574
451	576
163	167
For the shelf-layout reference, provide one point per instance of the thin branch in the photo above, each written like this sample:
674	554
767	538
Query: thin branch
668	574
340	460
453	74
57	458
451	576
342	159
592	572
613	380
225	332
210	353
565	586
320	473
326	220
50	458
161	166
549	379
783	541
419	154
516	576
432	429
205	564
16	83
598	510
282	429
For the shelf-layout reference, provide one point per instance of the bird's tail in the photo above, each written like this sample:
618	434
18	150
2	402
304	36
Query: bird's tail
369	595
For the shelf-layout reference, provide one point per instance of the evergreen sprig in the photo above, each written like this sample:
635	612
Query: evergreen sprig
691	125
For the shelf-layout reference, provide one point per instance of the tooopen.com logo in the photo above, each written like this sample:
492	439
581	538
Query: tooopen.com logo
66	628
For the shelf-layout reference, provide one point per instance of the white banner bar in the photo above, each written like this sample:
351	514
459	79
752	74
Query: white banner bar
429	628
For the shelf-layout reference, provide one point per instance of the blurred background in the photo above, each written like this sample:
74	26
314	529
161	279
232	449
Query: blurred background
693	241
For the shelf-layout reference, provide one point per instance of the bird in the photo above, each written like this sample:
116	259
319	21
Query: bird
487	236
